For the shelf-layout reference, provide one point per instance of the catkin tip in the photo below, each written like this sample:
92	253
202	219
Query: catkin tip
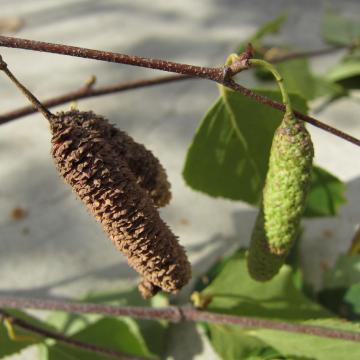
146	289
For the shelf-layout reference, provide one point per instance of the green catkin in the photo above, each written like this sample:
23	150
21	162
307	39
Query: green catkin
284	196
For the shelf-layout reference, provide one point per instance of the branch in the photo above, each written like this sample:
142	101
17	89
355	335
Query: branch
222	75
215	74
175	314
88	92
22	324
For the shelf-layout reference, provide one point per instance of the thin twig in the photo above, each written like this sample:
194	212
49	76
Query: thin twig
88	92
217	74
175	314
34	101
22	324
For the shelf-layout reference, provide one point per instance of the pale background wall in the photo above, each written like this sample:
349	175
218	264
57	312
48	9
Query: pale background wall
58	249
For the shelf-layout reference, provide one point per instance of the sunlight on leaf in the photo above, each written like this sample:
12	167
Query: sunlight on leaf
278	298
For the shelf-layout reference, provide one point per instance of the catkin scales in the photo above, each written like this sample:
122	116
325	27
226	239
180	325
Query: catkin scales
284	198
121	184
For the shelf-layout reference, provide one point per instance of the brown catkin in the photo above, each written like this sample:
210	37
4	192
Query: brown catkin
144	165
119	198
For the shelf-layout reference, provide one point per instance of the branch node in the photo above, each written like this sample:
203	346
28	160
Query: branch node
239	63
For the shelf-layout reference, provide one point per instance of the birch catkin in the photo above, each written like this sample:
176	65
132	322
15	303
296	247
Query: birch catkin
284	197
147	169
122	184
102	164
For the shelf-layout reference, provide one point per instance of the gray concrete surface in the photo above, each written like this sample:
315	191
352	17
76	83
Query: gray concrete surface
58	249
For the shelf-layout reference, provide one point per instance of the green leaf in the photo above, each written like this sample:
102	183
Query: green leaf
8	346
204	280
352	300
313	347
326	195
345	273
298	78
232	343
339	30
151	330
222	162
278	298
325	87
344	70
121	335
341	287
270	27
333	299
229	154
342	301
346	73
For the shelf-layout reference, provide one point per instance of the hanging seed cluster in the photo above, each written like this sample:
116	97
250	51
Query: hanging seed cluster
121	184
284	196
